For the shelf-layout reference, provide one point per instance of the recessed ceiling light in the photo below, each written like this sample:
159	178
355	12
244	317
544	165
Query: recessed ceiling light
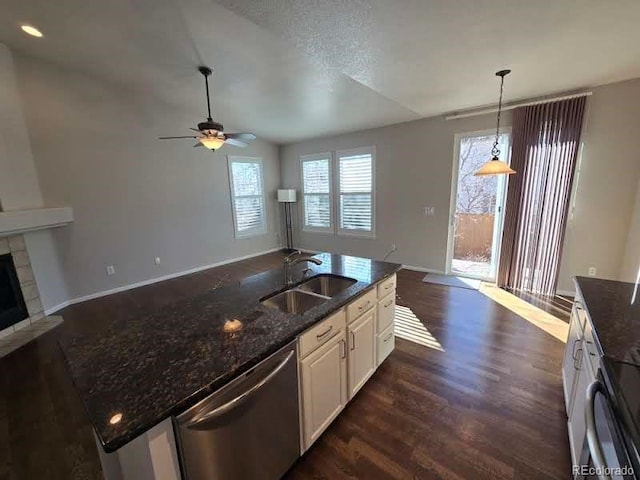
31	30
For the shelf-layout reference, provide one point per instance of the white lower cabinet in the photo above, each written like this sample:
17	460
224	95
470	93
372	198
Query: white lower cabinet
324	387
339	355
361	337
386	341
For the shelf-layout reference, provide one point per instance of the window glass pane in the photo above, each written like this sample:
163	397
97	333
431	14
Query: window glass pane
355	212
356	174
248	213
317	211
315	174
246	178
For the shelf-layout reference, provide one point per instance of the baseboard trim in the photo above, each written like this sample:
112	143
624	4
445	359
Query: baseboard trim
568	293
151	281
422	269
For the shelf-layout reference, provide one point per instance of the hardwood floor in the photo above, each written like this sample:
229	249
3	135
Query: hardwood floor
482	401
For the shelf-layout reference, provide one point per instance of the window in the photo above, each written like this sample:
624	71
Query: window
247	196
316	192
355	189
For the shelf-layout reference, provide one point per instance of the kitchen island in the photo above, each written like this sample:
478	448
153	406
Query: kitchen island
601	375
141	372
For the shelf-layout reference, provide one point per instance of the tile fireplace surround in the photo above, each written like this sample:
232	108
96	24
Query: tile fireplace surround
37	323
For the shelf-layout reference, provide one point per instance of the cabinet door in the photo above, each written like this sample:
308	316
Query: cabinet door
386	312
324	387
577	424
569	363
361	336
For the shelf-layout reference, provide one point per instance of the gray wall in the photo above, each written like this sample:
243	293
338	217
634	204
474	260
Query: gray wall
607	182
414	163
19	185
413	170
631	263
134	197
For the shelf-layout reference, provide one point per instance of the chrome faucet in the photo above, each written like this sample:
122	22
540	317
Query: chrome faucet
293	259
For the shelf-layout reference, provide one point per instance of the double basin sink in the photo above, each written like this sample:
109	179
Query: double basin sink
309	294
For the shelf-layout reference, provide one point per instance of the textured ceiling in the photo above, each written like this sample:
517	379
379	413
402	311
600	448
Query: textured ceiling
292	69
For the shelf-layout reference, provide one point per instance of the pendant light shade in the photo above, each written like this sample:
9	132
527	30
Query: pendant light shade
495	166
212	143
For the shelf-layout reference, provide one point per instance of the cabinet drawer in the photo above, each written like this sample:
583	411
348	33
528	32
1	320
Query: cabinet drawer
385	344
361	305
386	312
321	333
387	286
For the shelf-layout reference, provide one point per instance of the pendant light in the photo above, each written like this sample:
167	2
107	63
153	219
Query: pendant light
495	166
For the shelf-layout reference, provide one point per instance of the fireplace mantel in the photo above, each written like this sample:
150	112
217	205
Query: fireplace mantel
21	221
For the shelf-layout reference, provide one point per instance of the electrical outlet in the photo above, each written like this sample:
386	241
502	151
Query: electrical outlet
157	261
592	271
111	270
429	211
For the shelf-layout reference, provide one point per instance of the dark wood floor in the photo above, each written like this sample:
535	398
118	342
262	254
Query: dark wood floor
487	407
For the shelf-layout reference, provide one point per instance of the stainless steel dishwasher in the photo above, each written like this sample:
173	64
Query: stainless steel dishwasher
247	430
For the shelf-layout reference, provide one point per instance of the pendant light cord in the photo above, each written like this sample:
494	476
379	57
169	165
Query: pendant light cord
495	151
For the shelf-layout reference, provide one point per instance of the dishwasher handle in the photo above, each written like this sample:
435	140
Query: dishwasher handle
231	404
592	435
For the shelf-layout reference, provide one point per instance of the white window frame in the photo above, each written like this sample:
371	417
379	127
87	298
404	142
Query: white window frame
310	158
336	168
262	230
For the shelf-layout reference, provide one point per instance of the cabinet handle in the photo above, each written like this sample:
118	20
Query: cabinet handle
365	305
573	352
578	360
388	303
320	336
387	287
388	337
343	347
353	341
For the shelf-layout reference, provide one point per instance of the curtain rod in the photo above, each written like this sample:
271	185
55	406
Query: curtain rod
511	106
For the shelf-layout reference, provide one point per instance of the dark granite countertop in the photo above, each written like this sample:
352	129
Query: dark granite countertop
614	310
149	368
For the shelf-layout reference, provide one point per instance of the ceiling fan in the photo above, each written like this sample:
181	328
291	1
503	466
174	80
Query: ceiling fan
210	133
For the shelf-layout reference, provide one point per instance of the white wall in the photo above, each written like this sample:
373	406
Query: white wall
413	170
134	197
19	186
630	269
414	162
606	186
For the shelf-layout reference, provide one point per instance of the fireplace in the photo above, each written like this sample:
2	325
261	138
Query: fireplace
12	306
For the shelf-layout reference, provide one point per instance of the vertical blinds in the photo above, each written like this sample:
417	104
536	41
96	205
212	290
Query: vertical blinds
356	192
247	196
316	187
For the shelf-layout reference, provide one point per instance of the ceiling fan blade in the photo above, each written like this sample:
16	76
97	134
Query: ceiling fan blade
243	136
184	136
194	129
198	144
235	143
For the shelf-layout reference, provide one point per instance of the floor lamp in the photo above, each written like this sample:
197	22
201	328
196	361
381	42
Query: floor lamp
287	196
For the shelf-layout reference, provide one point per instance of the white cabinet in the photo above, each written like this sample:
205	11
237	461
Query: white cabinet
577	422
339	355
570	362
324	387
361	337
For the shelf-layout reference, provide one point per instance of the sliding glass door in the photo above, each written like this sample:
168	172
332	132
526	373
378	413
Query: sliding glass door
477	203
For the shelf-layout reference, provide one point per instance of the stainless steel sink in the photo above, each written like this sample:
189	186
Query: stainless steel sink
293	301
327	285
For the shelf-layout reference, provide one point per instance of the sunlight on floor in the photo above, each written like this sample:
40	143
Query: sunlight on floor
541	319
409	327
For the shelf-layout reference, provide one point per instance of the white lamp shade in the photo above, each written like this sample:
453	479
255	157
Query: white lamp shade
286	195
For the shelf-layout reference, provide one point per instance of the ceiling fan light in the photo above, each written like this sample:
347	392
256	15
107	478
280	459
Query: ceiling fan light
212	143
494	167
